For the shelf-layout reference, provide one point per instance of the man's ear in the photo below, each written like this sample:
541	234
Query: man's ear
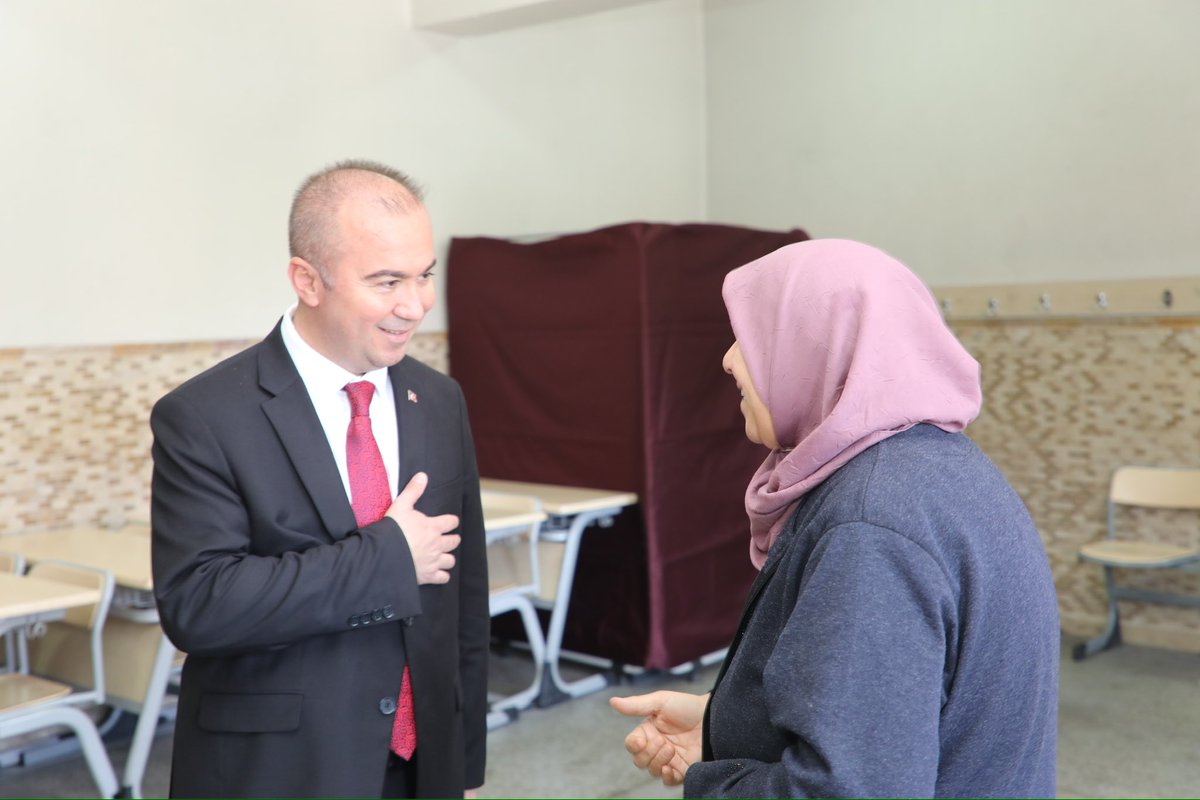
306	282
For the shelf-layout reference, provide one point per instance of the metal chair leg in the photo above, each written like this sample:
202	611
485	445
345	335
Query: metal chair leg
1111	637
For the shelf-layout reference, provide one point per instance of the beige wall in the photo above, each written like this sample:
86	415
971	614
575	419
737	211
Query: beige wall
150	147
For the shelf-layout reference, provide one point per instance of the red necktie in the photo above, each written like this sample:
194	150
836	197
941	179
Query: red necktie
370	497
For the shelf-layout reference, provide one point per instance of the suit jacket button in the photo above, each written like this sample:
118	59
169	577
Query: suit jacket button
388	612
376	615
353	621
387	706
408	621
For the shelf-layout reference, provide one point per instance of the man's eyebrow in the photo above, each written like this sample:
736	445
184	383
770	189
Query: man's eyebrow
391	273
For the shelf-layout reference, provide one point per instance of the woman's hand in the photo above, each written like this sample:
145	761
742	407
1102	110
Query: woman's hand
670	738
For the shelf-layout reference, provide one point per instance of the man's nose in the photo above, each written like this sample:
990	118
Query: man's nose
410	302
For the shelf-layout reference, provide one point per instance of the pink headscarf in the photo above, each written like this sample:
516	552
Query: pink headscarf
846	347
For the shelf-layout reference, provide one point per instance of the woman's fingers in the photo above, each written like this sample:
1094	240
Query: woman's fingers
650	750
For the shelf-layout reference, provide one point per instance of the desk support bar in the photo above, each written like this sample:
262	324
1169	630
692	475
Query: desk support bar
557	689
147	724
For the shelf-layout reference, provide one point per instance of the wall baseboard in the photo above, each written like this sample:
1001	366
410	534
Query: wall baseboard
1089	625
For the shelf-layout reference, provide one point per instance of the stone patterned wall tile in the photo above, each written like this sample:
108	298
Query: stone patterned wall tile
1065	403
75	433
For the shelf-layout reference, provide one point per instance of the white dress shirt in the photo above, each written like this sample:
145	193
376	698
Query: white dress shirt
325	382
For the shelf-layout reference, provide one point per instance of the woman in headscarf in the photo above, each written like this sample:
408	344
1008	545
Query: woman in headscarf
902	636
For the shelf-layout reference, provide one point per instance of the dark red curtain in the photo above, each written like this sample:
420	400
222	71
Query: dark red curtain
594	359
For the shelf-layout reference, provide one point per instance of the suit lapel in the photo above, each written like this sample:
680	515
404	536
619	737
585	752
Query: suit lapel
412	415
291	413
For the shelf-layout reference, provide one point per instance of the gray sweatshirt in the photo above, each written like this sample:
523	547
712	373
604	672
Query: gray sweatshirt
901	641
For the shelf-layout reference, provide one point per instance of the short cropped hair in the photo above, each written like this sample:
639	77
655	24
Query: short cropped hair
312	228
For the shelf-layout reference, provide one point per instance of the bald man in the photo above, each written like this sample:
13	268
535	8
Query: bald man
318	541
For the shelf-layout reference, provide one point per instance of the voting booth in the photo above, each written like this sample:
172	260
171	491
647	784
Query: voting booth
594	359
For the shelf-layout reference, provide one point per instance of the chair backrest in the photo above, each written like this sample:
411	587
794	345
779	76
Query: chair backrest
1156	487
86	617
512	522
72	649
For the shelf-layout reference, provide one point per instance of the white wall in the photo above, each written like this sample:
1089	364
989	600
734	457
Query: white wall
149	148
988	141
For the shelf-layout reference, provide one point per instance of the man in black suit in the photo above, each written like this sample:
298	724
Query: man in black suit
314	621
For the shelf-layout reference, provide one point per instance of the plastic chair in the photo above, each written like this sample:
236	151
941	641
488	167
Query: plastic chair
66	673
1168	488
512	523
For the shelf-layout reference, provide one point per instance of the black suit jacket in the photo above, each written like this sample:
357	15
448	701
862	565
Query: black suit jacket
297	623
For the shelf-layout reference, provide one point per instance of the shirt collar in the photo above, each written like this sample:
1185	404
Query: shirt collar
318	372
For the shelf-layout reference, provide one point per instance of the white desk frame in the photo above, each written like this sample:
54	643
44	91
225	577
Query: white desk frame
125	553
506	516
571	511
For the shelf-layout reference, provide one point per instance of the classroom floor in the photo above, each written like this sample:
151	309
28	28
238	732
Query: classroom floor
1129	724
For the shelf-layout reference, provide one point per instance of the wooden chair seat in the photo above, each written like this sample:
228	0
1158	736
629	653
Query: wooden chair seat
1133	555
20	691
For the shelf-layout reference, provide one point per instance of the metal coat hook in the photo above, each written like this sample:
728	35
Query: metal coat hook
993	307
1044	301
1168	299
1101	300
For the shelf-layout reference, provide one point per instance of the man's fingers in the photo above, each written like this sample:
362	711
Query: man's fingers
411	493
438	570
444	523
